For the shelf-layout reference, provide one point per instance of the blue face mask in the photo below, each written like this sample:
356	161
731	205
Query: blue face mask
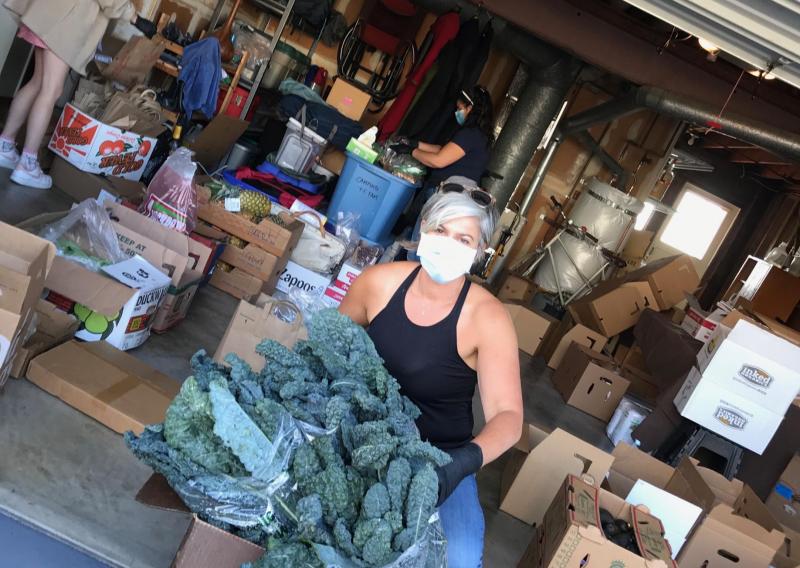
461	117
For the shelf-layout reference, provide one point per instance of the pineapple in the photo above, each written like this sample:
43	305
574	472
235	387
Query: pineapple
224	266
237	242
255	203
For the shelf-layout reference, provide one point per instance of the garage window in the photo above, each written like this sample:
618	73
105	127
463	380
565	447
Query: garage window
695	224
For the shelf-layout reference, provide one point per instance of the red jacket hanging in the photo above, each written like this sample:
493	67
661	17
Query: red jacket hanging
444	29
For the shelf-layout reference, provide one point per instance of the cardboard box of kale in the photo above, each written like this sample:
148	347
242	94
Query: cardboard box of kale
203	545
105	383
578	530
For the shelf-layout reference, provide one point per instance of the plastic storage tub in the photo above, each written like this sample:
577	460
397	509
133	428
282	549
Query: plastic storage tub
300	147
374	194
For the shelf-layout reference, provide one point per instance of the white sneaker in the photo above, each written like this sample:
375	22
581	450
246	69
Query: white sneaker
31	178
9	159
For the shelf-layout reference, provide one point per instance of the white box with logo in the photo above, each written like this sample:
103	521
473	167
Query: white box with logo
295	276
754	363
733	416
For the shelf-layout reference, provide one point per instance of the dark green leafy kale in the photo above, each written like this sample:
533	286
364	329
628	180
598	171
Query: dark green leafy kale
398	478
376	502
344	478
189	428
421	502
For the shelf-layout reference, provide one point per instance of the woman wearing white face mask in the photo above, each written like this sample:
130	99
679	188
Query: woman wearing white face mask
440	336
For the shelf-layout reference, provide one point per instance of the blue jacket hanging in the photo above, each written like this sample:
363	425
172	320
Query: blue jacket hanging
201	72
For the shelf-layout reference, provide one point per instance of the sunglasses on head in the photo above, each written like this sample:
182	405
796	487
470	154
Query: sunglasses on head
479	196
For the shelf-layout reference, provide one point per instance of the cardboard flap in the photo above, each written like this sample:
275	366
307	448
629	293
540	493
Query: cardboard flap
53	322
216	139
199	254
689	485
725	515
27	247
157	493
13	290
95	291
650	537
750	506
206	546
164	248
631	464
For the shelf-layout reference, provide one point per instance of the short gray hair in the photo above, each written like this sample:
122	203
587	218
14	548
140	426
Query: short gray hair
444	207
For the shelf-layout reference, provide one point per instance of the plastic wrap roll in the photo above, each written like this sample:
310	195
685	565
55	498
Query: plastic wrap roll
607	213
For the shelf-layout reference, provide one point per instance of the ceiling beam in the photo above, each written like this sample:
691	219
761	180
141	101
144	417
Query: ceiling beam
757	156
608	47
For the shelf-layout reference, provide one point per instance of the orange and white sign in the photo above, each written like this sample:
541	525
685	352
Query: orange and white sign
95	147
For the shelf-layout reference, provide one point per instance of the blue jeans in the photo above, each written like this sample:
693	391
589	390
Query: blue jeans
463	524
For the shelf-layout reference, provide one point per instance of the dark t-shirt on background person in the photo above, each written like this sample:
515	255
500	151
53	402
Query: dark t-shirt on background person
472	164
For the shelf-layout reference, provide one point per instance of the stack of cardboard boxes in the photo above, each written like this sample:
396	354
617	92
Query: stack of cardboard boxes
745	380
729	525
25	262
259	265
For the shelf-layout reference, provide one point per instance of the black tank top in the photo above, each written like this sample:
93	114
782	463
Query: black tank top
426	363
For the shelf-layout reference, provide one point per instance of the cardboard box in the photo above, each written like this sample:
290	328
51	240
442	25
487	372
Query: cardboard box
252	324
630	465
738	529
531	326
216	140
95	147
784	500
537	465
105	383
203	545
566	333
699	323
517	289
641	385
729	414
80	185
212	239
271	237
254	261
25	261
669	278
175	306
753	362
164	248
572	532
587	380
788	555
612	307
117	306
348	99
52	327
293	276
238	284
333	160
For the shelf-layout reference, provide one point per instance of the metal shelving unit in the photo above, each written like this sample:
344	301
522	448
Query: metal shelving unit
273	7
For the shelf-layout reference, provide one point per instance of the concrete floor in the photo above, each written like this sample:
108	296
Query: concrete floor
74	479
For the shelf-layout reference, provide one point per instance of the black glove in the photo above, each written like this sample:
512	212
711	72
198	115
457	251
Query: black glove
147	27
402	148
467	460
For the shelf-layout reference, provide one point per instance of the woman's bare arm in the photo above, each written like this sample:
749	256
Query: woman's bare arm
432	148
498	381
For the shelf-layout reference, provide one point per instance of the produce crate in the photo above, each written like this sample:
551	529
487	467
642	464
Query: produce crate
271	237
254	261
240	285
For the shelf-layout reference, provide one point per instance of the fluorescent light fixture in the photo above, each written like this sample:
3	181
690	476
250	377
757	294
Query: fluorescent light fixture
707	45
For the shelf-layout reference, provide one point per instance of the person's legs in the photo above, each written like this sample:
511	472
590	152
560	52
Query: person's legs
54	72
18	113
463	524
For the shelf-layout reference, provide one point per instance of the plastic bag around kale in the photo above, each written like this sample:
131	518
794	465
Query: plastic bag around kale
172	196
308	302
86	235
428	551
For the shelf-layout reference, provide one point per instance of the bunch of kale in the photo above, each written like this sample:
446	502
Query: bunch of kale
316	457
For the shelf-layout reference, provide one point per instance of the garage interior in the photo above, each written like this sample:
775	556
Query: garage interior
671	126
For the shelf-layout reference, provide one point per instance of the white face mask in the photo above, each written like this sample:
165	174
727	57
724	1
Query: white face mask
443	258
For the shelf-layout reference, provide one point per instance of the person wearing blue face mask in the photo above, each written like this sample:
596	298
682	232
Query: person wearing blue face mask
463	159
441	337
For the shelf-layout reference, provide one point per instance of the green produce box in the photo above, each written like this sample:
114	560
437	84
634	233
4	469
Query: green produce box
362	151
